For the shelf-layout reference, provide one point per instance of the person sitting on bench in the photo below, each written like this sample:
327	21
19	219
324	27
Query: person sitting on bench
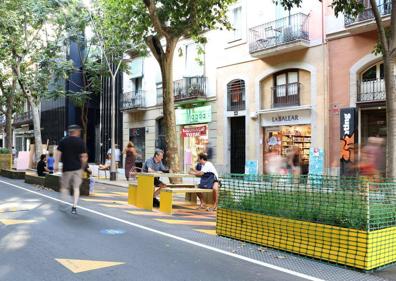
209	180
42	169
155	165
107	164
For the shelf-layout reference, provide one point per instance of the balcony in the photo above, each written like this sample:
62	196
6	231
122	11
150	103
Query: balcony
190	89
371	91
280	36
286	95
23	118
134	100
367	15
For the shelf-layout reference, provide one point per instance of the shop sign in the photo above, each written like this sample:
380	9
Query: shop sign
316	161
348	122
251	167
287	118
196	115
194	131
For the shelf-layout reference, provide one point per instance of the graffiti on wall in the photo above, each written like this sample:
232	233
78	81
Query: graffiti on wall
348	138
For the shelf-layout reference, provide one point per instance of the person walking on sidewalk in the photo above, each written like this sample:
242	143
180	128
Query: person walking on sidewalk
73	155
130	158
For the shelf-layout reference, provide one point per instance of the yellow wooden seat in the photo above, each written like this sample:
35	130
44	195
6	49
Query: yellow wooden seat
166	196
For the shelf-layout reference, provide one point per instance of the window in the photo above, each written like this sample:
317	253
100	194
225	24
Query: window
137	85
373	73
286	88
236	95
194	62
237	23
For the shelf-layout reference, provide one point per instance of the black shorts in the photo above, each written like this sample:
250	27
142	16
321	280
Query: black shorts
211	187
157	182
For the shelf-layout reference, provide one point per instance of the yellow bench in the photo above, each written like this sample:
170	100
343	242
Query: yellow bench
166	196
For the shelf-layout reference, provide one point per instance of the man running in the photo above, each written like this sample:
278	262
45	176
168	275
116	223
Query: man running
73	154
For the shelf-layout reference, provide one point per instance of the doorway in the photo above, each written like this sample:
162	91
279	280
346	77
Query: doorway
237	145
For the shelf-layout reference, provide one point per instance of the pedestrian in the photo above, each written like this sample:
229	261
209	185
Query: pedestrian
42	166
73	155
209	180
51	162
294	161
117	153
88	175
155	165
130	158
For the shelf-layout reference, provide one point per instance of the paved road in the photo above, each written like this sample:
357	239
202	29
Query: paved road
38	241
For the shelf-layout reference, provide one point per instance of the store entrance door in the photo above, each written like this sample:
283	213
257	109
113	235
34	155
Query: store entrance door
237	150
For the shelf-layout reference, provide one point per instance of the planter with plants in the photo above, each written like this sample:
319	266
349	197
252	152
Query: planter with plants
5	159
348	221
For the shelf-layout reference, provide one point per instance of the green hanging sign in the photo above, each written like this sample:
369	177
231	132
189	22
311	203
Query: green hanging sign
196	115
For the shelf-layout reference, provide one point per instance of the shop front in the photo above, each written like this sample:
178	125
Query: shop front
194	133
285	132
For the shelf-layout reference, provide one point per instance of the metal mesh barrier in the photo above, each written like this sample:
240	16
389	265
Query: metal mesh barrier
351	221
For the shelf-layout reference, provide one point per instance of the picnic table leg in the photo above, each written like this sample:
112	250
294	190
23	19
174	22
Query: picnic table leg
166	199
132	192
145	192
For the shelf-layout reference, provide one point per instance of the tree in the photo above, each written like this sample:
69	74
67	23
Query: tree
114	33
160	24
387	47
31	33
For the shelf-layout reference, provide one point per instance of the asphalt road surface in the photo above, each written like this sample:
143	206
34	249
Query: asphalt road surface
41	240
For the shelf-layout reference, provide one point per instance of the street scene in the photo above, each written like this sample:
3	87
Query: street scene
197	140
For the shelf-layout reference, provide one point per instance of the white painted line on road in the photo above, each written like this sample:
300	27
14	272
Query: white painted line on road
214	249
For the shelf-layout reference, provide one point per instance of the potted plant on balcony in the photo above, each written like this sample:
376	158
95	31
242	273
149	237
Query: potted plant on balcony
194	91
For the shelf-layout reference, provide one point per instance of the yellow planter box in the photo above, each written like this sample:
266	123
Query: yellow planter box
5	161
351	247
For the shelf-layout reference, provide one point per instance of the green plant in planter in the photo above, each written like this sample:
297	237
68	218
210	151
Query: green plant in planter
4	151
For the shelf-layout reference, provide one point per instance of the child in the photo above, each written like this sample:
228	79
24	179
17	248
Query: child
88	175
50	163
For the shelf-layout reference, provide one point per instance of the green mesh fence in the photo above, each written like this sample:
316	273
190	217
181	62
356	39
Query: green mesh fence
325	217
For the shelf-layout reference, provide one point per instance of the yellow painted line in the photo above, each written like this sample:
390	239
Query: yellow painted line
118	206
207	231
106	201
121	193
12	222
148	213
105	195
184	222
77	266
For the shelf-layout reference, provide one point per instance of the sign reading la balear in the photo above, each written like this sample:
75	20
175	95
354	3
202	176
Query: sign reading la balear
196	115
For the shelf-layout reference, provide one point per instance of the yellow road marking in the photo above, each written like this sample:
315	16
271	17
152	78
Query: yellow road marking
184	222
12	222
77	266
106	201
118	206
207	231
99	194
148	213
120	193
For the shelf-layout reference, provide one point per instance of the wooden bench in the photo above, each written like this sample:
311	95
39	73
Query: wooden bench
12	174
53	182
166	196
34	179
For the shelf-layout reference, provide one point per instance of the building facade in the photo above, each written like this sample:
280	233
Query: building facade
356	85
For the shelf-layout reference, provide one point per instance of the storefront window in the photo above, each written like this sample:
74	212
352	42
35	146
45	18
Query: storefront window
138	137
195	141
284	139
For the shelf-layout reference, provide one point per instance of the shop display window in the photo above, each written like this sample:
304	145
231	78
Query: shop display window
195	141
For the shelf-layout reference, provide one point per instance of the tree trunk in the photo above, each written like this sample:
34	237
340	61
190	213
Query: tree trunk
38	145
113	169
84	122
390	116
8	124
172	155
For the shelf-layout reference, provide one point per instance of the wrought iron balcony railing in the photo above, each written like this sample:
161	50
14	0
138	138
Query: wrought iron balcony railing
371	90
279	32
384	9
286	95
133	100
23	118
190	88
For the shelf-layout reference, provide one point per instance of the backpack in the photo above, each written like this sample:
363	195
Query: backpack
207	180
